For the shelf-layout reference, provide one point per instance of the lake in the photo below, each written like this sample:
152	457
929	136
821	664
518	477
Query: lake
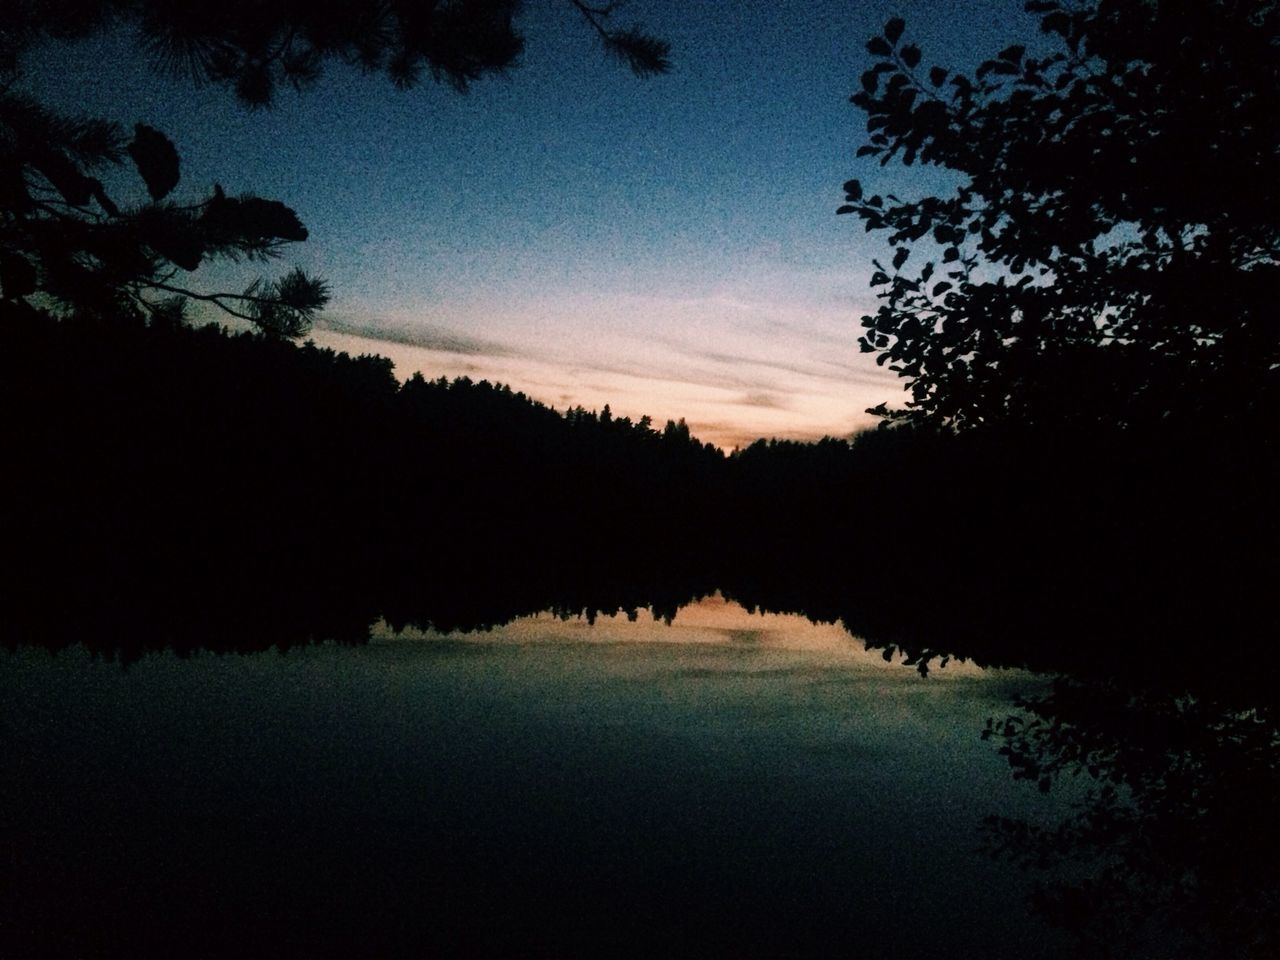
732	784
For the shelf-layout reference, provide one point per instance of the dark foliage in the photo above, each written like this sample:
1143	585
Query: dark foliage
191	464
1170	841
255	48
66	244
1093	307
1102	314
184	489
1109	256
645	54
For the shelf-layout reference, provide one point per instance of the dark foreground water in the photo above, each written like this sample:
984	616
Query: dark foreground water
731	785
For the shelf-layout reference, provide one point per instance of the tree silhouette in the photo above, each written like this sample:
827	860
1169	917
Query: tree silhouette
65	244
68	246
1111	250
255	47
1175	797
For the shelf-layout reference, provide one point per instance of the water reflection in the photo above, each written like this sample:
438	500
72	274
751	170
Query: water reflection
734	785
1172	840
643	765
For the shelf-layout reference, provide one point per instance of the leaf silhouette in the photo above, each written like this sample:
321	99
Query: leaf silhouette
252	218
156	159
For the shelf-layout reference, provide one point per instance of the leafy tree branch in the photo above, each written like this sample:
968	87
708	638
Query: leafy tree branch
1112	249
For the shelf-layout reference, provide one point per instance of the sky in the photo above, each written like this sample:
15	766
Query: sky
666	246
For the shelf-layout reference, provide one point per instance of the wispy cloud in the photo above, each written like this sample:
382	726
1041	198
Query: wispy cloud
733	375
427	336
818	368
767	401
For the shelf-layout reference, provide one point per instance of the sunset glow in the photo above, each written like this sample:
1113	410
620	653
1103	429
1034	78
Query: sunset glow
668	247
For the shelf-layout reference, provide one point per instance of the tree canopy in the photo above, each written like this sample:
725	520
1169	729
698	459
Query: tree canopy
1110	253
255	47
68	246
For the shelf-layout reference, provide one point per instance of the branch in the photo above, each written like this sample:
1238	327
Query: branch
286	309
51	208
215	298
644	53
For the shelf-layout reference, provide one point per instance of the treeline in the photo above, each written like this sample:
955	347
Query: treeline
207	485
1153	556
181	487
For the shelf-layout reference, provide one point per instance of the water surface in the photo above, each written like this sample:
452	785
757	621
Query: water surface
729	785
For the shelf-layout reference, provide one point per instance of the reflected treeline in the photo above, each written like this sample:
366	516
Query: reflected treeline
171	487
190	489
1149	557
1171	847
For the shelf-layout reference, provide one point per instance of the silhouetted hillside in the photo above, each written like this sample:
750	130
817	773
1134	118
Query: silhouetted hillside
171	486
194	488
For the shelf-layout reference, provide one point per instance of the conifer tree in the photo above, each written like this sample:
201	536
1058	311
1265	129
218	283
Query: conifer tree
67	246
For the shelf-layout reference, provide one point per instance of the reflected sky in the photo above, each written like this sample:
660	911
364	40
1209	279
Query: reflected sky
730	785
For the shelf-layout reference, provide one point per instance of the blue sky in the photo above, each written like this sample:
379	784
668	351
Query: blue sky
667	246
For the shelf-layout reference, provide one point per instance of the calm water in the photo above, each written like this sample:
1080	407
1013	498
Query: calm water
729	785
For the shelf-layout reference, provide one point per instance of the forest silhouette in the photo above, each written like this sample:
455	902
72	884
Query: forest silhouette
1083	482
184	489
196	488
1086	457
